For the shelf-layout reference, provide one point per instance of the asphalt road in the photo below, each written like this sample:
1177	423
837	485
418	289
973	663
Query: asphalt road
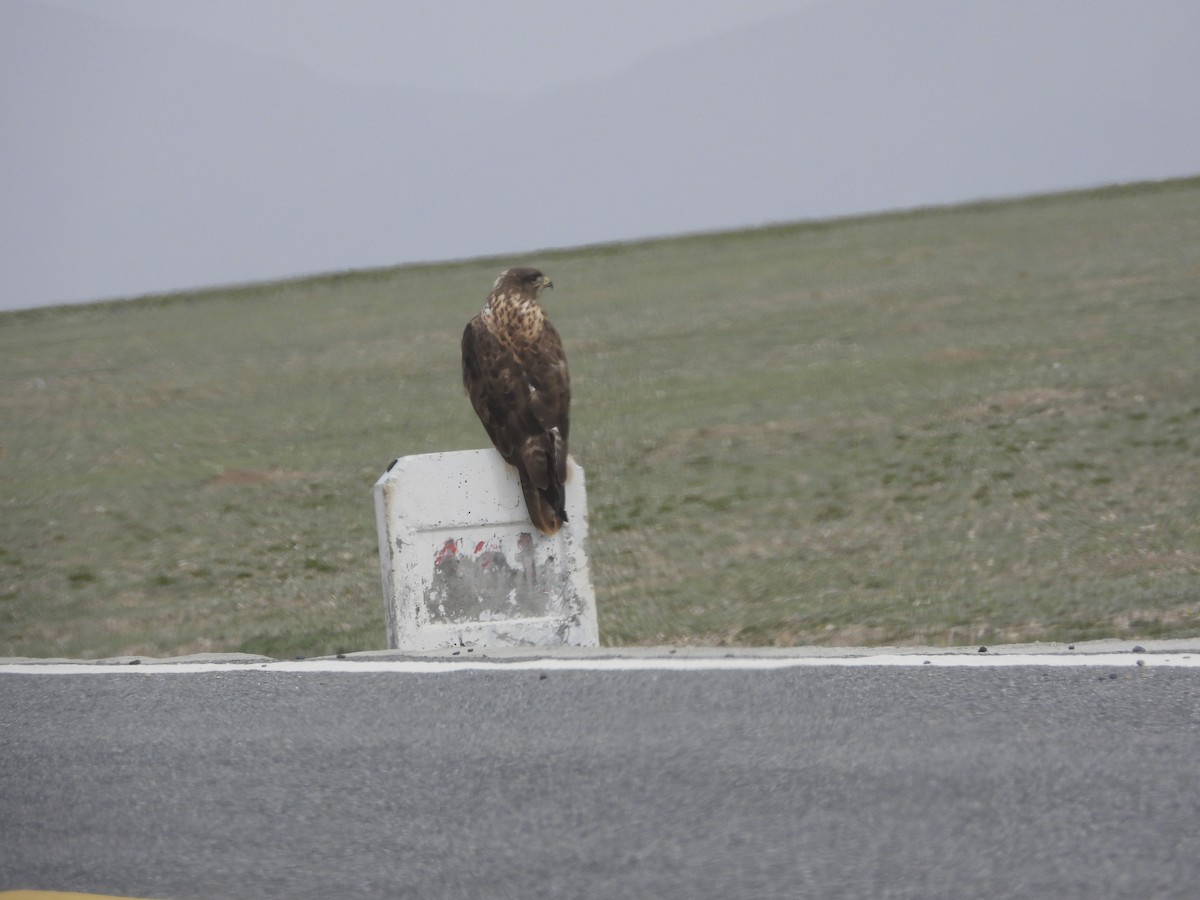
804	782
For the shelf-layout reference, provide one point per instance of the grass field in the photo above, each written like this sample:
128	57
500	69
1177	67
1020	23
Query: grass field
964	425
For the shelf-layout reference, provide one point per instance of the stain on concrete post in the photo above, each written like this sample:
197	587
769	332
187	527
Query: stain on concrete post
463	566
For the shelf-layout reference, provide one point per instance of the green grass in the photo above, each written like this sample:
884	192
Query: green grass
947	426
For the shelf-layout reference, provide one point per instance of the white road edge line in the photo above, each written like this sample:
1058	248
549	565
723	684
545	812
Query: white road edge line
656	664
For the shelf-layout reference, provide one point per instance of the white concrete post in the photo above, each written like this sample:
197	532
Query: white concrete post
462	564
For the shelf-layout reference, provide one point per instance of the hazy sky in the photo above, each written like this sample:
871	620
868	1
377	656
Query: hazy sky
159	145
499	48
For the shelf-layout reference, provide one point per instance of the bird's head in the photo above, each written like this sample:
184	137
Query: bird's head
522	280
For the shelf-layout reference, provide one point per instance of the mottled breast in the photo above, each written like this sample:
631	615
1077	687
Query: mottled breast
514	320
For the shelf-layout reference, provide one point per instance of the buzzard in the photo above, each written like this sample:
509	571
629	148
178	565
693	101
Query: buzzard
515	372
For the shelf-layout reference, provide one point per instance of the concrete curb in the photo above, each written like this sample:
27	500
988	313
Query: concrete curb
502	655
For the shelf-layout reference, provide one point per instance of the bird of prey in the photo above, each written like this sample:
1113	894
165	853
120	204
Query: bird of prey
515	372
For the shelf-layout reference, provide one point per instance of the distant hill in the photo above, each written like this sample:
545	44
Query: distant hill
144	161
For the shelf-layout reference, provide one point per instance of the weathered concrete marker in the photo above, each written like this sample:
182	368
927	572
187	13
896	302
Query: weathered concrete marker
463	566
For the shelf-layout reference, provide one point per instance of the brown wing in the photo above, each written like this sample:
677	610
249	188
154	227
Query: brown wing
522	395
545	365
486	369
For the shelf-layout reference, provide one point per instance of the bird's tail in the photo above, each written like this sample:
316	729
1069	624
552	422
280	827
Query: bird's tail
546	506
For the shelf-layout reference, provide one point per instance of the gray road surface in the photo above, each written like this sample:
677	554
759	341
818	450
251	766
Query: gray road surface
813	782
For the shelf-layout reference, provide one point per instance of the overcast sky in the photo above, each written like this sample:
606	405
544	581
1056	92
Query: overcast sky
498	48
151	146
